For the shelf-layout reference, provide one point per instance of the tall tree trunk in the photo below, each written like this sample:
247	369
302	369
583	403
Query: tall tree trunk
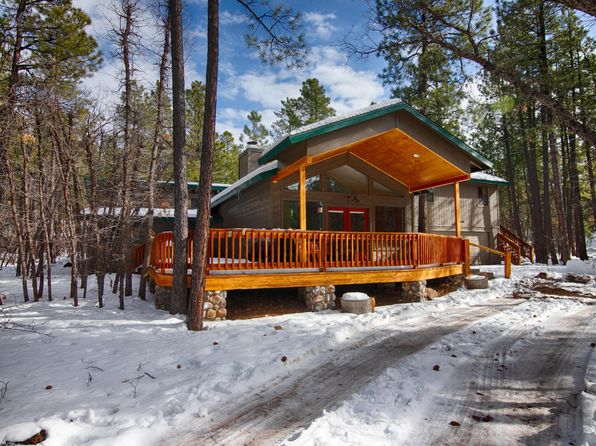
511	178
567	191
180	264
592	180
578	214
546	203
529	149
12	198
155	150
124	268
544	78
28	232
7	120
195	313
421	92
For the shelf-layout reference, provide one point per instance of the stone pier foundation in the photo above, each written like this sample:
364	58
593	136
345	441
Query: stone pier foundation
320	297
214	307
414	291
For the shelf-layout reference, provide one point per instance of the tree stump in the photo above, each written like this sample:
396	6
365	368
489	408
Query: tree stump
357	303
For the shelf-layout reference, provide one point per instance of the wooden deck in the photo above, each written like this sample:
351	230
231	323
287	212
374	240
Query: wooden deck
258	258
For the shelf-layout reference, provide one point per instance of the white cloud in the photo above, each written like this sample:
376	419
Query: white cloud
267	89
348	88
320	24
229	18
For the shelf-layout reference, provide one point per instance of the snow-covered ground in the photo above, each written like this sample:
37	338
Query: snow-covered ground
91	376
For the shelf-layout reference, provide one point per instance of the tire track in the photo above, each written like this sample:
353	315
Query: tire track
526	384
270	416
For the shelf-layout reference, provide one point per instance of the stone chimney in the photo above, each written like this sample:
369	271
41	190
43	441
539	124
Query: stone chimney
249	159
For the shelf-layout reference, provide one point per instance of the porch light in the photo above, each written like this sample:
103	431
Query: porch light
416	155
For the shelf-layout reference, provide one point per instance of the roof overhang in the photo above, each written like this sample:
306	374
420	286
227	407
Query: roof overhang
397	155
375	111
254	177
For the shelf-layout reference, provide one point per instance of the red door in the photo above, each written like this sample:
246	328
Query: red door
347	219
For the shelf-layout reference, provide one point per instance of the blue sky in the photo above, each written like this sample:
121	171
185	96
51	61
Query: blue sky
244	82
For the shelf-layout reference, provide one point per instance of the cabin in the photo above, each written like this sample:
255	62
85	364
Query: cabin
338	202
351	187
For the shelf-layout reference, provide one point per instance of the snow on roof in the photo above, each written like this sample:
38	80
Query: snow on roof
487	177
222	196
331	120
140	212
196	184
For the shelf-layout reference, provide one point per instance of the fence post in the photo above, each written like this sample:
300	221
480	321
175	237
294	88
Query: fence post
467	268
507	264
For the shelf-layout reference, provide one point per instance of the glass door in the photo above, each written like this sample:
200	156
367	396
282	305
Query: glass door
336	219
347	219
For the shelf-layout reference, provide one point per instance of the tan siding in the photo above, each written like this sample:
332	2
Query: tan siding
252	209
474	216
350	134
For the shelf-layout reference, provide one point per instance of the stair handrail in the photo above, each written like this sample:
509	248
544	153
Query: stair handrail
529	248
506	255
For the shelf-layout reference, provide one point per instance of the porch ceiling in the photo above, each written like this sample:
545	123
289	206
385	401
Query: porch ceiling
407	160
396	154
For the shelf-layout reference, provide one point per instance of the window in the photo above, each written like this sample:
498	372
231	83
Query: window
312	184
483	196
381	189
430	197
314	220
347	180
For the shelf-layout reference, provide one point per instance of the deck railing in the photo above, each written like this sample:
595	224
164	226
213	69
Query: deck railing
260	249
138	256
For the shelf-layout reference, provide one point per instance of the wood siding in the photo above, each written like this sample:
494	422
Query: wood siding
479	222
251	208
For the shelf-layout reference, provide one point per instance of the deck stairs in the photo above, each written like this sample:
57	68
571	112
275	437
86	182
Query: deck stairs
519	248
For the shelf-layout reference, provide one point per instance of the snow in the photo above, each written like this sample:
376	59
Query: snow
588	404
139	212
582	266
387	410
483	176
355	296
137	377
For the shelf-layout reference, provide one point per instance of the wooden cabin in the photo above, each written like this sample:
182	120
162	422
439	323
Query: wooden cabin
336	202
359	171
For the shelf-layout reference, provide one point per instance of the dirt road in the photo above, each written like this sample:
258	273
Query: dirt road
523	389
519	389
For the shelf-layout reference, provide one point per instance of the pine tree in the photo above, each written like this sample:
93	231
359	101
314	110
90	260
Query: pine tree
195	107
311	106
256	132
225	162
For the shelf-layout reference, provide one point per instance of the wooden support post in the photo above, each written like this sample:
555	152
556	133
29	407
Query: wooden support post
467	267
304	244
457	209
303	197
507	264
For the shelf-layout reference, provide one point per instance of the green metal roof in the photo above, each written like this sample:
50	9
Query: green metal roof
487	178
340	122
245	182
